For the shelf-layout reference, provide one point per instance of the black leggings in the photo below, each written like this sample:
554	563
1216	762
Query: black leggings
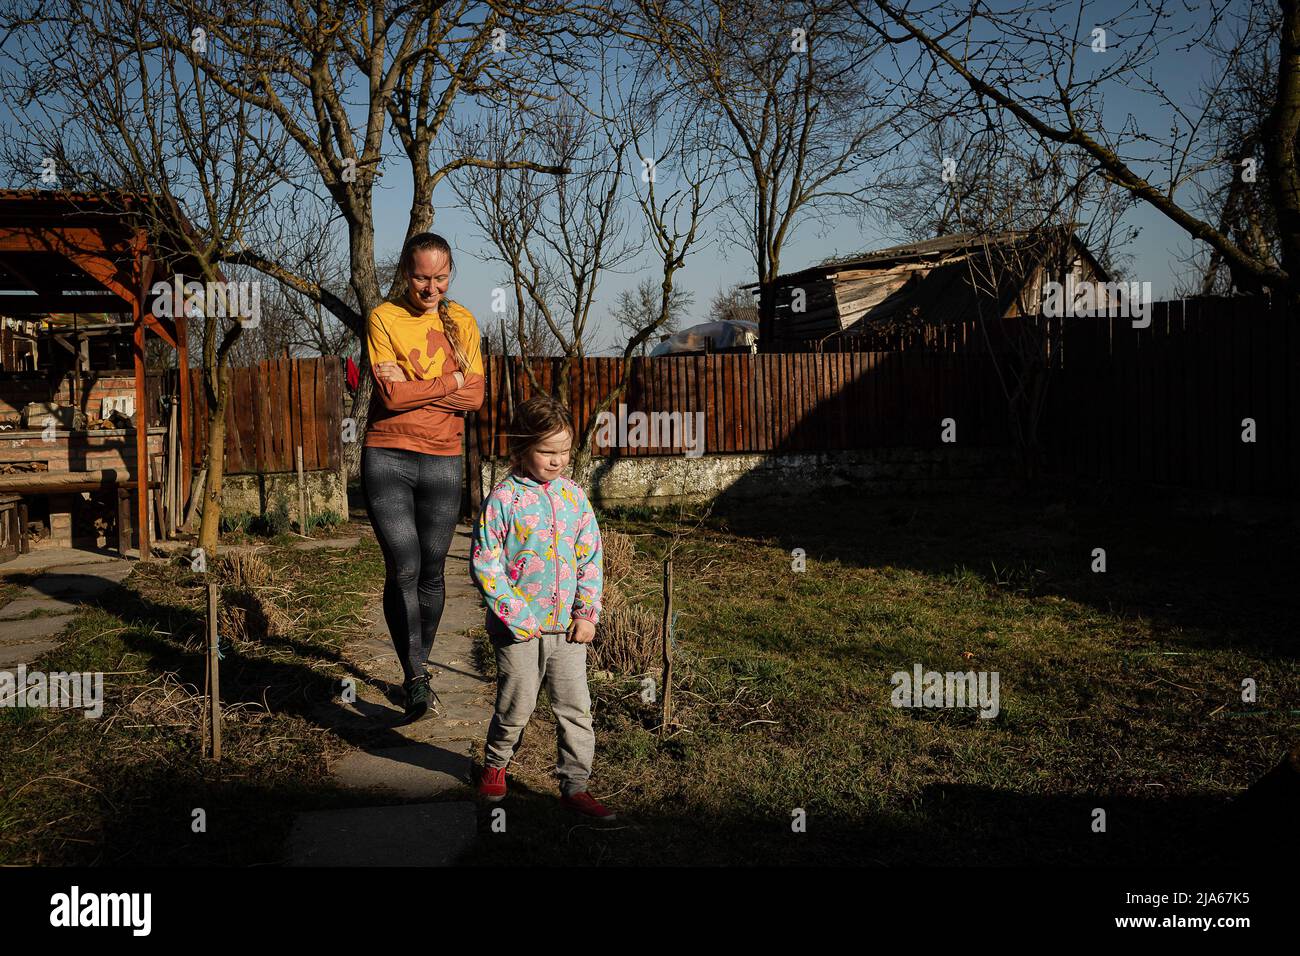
414	503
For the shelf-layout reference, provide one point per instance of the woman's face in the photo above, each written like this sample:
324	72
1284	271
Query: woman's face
550	456
428	278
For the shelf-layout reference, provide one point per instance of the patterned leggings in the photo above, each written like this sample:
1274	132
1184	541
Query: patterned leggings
414	503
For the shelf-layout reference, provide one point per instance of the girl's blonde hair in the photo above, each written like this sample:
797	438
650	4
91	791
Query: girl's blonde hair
534	420
456	336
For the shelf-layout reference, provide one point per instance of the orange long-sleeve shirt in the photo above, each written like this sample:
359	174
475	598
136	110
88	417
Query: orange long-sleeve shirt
426	413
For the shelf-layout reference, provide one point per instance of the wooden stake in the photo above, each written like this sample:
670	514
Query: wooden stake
302	495
197	487
668	646
214	673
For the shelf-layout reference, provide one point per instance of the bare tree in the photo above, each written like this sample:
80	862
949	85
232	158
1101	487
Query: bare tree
1237	113
639	307
734	304
555	235
797	111
337	77
1028	62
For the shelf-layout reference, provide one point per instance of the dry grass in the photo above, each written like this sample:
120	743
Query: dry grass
618	554
245	570
250	616
628	637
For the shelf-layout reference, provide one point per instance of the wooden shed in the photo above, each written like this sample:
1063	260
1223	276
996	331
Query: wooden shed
75	274
952	278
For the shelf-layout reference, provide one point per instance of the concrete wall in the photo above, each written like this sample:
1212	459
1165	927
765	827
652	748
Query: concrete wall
666	480
257	494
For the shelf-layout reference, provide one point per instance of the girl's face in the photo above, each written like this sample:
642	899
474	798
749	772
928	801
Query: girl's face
427	279
550	456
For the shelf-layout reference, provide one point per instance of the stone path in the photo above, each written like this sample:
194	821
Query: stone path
30	624
422	762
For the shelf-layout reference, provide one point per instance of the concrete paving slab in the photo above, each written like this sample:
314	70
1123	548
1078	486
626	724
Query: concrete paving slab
27	604
85	582
11	655
43	558
417	834
33	629
434	760
415	770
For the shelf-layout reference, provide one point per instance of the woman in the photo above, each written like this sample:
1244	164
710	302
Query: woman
428	368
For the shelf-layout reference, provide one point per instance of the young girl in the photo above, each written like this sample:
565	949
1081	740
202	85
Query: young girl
537	560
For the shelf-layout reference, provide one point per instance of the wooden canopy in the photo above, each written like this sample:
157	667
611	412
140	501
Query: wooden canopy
87	253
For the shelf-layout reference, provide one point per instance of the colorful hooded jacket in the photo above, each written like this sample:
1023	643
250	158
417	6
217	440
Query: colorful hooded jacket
525	580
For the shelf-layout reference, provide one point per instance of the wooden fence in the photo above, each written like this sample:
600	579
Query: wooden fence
787	402
1162	405
274	407
1166	404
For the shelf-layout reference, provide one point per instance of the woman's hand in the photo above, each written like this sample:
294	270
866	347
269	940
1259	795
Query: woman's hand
389	372
460	380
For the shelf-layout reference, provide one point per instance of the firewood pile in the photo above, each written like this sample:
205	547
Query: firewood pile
23	467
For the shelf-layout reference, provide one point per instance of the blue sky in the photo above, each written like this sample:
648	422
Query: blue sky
1154	253
720	265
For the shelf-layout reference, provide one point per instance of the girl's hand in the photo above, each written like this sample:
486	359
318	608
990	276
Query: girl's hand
389	372
460	379
581	631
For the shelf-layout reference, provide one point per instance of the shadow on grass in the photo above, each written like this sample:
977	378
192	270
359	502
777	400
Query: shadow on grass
956	825
1228	582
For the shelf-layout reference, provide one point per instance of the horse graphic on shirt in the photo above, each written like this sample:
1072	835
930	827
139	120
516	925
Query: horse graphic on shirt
440	349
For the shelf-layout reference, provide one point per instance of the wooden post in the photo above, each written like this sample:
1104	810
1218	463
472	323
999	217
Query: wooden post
123	520
302	494
155	500
473	468
214	673
141	423
668	646
173	471
24	545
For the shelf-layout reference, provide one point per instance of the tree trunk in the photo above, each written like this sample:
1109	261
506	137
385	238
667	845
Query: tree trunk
210	523
767	318
360	415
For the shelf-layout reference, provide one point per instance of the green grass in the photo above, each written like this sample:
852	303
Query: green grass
122	789
1117	690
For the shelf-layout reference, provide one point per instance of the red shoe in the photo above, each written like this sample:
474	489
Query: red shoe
588	805
492	784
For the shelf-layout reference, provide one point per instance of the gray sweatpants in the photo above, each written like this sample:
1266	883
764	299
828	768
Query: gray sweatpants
522	668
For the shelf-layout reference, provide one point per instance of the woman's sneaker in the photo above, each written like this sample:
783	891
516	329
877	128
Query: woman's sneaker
492	783
420	700
588	805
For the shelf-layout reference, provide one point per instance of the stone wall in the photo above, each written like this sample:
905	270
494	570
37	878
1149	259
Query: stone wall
256	494
666	480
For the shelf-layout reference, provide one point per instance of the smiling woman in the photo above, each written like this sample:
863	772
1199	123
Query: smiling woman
428	366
